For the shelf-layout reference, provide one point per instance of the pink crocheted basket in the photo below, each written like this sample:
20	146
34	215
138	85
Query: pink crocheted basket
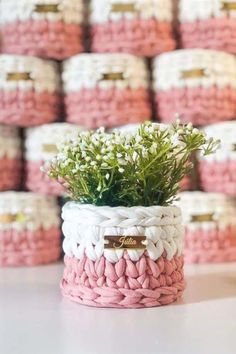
139	28
192	84
10	158
102	270
208	24
29	91
48	30
210	227
29	229
218	172
106	90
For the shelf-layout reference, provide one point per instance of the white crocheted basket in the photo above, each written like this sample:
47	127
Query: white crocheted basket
41	146
208	24
140	27
10	158
122	257
44	28
210	224
198	84
218	171
29	90
29	229
106	90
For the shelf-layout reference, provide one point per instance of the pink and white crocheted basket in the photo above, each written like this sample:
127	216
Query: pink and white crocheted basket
44	28
106	90
10	158
29	91
40	147
29	229
218	172
210	227
198	84
122	257
139	27
208	24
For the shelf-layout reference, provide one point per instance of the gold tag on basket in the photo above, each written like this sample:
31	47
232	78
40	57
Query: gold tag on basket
19	76
203	217
228	6
10	218
113	76
125	242
121	7
44	8
50	148
193	73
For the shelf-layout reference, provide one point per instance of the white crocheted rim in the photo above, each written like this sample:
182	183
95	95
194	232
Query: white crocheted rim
195	10
88	70
103	10
68	11
39	211
198	204
225	131
172	69
41	142
44	74
85	226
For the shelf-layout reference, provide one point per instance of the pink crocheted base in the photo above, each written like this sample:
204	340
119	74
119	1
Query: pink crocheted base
47	39
28	108
214	33
19	248
93	108
125	284
210	246
218	176
10	173
138	37
201	106
38	181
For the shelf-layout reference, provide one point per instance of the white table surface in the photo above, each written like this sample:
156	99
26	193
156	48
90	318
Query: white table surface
34	319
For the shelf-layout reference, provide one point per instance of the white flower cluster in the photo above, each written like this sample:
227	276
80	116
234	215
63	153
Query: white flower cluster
117	167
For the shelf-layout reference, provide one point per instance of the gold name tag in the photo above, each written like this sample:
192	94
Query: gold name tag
113	76
120	7
228	6
44	8
192	74
203	218
18	76
125	242
10	218
50	148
